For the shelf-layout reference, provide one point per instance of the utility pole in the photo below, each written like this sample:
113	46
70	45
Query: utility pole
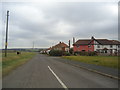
6	41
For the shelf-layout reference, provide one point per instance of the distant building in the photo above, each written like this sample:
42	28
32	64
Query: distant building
48	50
98	45
61	46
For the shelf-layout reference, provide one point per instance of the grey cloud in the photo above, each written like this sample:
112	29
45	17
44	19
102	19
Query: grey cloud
59	22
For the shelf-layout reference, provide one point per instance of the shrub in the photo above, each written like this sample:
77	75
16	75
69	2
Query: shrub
76	53
71	50
81	53
85	53
56	53
92	53
66	54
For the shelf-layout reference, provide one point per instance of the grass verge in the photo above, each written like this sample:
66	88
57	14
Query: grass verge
108	61
13	60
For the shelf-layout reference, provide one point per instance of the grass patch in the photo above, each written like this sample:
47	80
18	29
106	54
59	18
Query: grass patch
108	61
13	60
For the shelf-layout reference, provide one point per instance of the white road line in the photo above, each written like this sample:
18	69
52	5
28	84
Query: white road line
63	85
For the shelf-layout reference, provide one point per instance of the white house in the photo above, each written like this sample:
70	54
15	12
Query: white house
107	46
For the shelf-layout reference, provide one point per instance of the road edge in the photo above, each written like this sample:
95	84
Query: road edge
92	70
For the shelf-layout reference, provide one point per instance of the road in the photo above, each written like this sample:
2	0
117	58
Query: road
47	72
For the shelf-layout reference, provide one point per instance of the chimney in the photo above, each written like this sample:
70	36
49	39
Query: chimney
60	42
69	44
92	38
73	40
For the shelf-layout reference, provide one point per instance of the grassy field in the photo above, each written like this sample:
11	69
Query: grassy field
13	60
108	61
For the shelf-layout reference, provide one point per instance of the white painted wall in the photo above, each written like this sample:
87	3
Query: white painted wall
105	46
67	49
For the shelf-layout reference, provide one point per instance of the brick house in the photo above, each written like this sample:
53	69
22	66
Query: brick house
98	45
61	46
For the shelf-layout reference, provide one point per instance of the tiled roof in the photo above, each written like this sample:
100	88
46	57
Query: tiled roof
49	48
108	42
83	42
61	44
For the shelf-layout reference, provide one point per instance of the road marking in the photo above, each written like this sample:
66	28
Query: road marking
63	85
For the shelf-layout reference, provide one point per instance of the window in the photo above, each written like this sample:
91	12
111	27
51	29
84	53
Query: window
89	46
77	46
83	50
98	46
98	50
118	46
111	46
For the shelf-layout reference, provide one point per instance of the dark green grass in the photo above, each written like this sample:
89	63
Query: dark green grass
108	61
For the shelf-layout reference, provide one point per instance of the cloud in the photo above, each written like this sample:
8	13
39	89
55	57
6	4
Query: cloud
49	23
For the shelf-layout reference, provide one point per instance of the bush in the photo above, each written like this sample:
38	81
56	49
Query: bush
66	54
81	53
71	51
56	53
92	53
85	53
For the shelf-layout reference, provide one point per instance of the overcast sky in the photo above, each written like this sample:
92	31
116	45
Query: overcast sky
47	23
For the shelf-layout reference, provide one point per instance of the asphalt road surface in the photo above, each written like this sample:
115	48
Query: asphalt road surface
47	72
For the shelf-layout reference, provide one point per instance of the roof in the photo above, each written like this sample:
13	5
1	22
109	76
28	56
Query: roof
100	41
108	42
105	49
59	45
82	42
49	48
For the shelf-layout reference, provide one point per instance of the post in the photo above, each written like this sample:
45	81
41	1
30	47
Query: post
6	41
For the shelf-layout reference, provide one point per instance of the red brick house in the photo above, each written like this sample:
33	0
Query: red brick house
98	45
61	46
83	45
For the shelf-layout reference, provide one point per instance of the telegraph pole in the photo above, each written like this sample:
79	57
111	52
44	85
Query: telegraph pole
6	40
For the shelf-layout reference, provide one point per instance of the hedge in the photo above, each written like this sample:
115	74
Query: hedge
85	53
59	53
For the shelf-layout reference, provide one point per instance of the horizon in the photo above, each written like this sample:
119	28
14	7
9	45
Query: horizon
55	44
